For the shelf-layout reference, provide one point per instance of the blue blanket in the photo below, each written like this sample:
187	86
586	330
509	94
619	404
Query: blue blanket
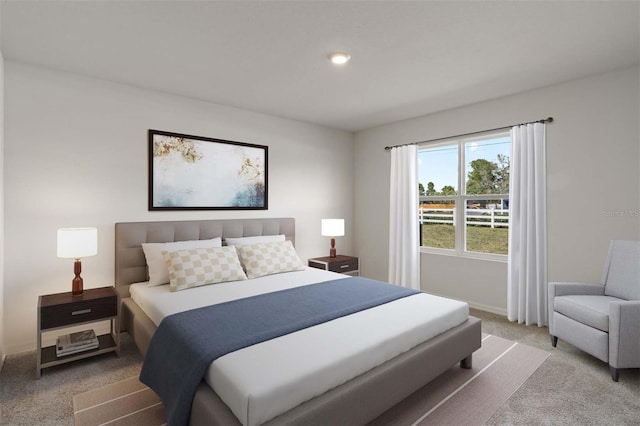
186	343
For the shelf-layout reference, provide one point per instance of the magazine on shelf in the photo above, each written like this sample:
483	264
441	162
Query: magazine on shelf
79	339
76	349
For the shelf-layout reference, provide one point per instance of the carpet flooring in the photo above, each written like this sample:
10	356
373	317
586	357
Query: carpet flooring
569	388
459	396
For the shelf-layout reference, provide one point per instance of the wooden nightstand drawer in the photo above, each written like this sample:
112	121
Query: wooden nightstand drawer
348	265
58	310
343	264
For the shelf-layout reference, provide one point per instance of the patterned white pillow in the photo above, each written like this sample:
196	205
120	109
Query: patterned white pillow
201	266
269	258
158	273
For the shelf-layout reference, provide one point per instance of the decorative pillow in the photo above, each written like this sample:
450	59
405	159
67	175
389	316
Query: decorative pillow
201	266
269	258
243	241
158	273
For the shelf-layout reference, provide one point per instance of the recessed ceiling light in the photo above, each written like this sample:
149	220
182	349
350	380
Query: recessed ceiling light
339	58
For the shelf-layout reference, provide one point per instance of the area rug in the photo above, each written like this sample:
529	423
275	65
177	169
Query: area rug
469	397
128	402
457	397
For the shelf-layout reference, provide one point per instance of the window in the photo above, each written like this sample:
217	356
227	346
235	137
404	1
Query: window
464	195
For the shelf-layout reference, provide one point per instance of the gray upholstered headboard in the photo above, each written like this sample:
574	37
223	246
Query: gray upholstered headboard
130	263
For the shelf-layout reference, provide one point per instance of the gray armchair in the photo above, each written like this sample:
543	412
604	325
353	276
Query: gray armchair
602	319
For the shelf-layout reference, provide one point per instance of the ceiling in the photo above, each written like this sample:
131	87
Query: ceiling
408	58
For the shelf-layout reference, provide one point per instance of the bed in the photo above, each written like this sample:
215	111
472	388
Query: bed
357	400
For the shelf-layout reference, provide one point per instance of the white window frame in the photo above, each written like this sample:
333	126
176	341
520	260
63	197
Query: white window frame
461	199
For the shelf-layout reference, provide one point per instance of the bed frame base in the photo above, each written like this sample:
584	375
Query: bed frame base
365	397
467	363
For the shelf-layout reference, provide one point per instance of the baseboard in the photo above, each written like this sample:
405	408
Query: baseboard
475	305
486	308
2	358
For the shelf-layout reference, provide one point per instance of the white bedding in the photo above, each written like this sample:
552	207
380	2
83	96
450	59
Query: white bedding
263	381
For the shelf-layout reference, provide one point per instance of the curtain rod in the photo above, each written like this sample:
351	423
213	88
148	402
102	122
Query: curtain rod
544	120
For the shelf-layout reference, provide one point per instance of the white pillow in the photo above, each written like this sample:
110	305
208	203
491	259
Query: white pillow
269	258
158	273
202	266
243	241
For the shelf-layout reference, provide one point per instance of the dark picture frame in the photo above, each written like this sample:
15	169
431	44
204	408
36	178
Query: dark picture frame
189	172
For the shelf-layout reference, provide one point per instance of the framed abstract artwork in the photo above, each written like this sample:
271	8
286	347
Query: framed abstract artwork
196	173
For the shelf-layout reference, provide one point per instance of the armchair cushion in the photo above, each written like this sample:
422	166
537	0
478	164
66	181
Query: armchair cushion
622	276
590	310
568	288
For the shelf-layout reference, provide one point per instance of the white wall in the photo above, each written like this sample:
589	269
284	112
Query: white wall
2	345
593	160
76	155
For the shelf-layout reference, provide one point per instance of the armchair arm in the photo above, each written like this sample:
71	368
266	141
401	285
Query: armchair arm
566	289
624	334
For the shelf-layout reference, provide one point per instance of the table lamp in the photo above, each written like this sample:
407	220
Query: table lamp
332	228
75	243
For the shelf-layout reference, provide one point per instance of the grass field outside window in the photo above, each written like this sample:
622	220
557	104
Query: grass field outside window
480	239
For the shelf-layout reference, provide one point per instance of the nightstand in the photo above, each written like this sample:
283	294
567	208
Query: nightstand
348	265
63	310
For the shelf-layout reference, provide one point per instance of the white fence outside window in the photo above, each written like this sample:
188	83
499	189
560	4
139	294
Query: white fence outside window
493	217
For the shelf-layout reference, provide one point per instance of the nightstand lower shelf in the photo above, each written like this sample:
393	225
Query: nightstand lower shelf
106	344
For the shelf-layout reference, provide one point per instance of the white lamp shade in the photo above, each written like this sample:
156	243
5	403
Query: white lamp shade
75	243
332	227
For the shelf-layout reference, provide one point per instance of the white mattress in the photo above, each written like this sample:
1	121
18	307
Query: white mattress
263	381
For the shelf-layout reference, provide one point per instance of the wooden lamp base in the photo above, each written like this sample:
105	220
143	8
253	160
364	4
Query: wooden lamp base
77	284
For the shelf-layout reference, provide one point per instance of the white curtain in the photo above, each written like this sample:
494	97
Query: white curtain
527	268
404	250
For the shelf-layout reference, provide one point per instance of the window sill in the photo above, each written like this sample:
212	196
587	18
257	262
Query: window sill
501	258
